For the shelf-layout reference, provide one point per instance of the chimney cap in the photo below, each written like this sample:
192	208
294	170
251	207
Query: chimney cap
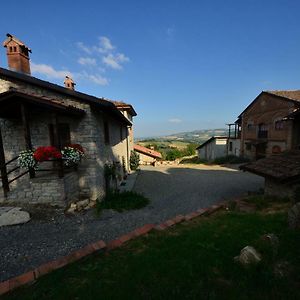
10	37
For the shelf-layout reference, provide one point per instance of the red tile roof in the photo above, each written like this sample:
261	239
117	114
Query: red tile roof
285	166
290	95
147	151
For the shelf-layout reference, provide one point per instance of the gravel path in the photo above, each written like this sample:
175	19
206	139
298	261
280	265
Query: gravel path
172	190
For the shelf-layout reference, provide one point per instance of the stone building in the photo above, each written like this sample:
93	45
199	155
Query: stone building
147	156
213	148
266	127
36	113
281	173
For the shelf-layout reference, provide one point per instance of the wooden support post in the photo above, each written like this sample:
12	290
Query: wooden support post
4	178
27	135
58	145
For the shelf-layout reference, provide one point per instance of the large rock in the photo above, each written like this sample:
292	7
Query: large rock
294	216
13	216
248	255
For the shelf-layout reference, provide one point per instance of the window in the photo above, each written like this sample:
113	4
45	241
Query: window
15	49
64	135
106	133
262	130
230	146
121	133
10	49
250	126
278	125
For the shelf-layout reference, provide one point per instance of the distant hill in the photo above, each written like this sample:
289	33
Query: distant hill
196	136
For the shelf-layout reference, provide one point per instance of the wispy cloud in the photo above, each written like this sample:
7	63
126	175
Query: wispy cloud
94	60
115	61
174	120
87	61
52	73
49	71
170	32
84	48
105	53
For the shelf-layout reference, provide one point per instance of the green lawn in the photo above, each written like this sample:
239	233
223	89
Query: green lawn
189	261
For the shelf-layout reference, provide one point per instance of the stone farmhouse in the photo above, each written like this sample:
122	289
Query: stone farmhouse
268	126
147	156
35	113
213	148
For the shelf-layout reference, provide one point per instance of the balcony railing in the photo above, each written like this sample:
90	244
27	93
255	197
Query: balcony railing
263	134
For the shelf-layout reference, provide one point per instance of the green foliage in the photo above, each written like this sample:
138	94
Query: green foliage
110	171
230	159
190	261
193	160
262	201
134	160
122	201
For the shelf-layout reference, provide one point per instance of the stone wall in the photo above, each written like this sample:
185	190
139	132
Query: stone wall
46	189
281	190
87	131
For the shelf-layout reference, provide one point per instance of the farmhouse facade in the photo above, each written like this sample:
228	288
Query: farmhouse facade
267	126
213	148
147	156
35	113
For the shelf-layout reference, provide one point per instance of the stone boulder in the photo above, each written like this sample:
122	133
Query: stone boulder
13	216
248	256
294	216
272	241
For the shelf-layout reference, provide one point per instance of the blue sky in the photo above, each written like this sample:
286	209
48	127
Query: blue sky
183	65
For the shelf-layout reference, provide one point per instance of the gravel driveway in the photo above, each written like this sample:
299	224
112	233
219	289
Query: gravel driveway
172	190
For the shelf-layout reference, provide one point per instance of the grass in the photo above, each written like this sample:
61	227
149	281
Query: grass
263	202
127	200
189	261
230	159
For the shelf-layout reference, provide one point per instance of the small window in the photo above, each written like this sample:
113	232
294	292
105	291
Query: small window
279	125
10	49
64	135
15	49
106	133
121	133
250	126
230	146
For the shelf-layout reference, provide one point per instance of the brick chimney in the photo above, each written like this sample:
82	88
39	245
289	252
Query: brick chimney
17	55
69	83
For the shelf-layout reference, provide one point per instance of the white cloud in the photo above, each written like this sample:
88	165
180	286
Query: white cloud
87	61
114	61
106	44
84	48
49	71
105	54
95	78
175	120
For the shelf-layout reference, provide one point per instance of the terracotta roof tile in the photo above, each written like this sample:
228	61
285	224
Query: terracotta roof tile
282	167
292	95
147	151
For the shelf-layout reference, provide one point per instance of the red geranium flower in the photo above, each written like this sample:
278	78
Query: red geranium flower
46	153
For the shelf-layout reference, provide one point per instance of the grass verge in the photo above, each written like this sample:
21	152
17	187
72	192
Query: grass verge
189	261
127	200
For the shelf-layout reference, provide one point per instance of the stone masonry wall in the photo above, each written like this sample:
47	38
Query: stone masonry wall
48	189
87	131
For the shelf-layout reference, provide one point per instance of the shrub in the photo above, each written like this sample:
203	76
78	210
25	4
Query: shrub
122	201
134	160
230	159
